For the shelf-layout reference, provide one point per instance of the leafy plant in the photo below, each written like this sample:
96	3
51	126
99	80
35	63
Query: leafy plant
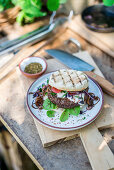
30	9
5	4
108	2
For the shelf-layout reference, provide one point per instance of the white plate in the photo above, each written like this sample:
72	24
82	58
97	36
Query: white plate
73	122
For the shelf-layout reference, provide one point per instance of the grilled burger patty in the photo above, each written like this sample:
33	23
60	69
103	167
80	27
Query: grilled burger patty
60	102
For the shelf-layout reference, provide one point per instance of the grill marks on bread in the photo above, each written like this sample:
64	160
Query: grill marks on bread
62	77
69	80
70	76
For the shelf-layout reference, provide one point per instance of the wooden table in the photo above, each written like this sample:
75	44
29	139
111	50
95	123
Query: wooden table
70	154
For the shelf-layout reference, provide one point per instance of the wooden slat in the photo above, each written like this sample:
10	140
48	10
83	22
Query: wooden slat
12	149
98	152
50	137
21	144
106	118
26	52
101	40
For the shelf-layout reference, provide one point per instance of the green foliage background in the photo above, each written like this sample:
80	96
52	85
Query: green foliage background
30	9
108	2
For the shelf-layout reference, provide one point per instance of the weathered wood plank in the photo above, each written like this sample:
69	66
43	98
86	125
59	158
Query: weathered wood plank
96	148
101	40
18	118
21	143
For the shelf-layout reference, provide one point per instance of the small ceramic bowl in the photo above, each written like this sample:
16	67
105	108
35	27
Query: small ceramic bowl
29	60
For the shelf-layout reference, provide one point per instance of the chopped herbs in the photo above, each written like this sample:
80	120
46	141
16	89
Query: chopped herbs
77	97
53	94
47	81
33	68
40	89
43	85
84	118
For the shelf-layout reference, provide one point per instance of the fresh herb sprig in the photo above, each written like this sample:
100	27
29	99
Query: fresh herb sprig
53	94
65	93
65	114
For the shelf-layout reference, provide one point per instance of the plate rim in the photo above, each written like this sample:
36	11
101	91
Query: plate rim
62	128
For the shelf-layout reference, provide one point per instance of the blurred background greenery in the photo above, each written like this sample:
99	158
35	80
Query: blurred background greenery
29	10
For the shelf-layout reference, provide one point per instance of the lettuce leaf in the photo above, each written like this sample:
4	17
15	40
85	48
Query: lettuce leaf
74	111
50	113
64	116
48	105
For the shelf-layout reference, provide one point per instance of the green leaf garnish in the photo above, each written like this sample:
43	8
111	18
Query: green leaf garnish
43	85
50	113
64	95
48	105
77	97
46	93
64	91
53	94
84	118
64	116
40	89
47	81
74	111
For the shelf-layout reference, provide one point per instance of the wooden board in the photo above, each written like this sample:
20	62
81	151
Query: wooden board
104	41
106	119
47	135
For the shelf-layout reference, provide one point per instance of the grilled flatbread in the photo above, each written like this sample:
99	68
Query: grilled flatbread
69	80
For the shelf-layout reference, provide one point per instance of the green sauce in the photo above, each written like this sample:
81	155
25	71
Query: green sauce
33	68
